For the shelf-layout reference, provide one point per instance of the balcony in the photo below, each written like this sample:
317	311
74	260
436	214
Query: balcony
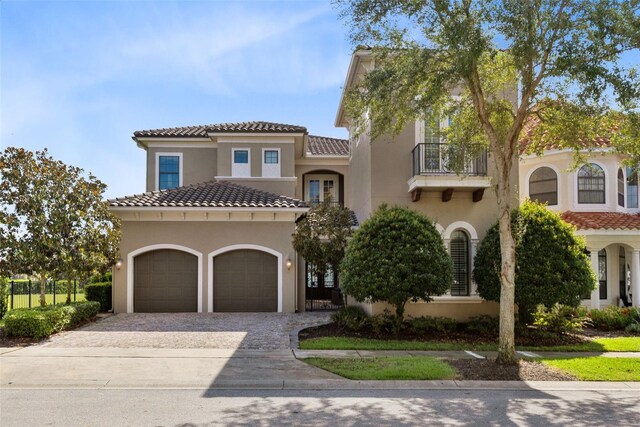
445	168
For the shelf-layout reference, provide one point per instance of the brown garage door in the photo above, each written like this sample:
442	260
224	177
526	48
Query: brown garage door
245	280
165	281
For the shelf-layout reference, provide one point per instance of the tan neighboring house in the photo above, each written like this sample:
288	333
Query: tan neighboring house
213	231
600	198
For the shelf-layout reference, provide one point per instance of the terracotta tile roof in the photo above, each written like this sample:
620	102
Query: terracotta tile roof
325	146
602	220
211	195
203	130
533	121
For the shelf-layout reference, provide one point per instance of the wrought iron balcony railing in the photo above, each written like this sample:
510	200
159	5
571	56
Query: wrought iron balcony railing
441	159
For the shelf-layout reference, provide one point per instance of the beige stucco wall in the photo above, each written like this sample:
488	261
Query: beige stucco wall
206	237
199	164
287	153
360	175
458	310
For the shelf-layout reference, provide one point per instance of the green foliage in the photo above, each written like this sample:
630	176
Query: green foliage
41	322
321	236
100	292
396	255
385	323
427	324
483	325
101	278
551	262
53	220
350	317
560	319
4	296
614	318
633	328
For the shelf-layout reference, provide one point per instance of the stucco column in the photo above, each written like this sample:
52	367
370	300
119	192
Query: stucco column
635	277
595	294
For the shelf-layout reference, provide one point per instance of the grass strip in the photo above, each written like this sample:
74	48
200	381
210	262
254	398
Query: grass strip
386	368
599	368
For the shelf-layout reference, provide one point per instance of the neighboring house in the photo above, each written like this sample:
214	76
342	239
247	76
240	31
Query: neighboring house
601	199
214	230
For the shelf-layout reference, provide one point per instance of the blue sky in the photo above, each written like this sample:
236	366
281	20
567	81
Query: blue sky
80	77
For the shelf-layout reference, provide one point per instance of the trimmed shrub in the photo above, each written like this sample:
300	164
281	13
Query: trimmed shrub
560	319
4	296
101	278
425	324
350	317
551	262
100	292
633	328
385	323
40	322
397	255
483	325
614	318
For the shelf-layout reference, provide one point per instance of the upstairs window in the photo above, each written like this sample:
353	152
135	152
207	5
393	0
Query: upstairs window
591	185
169	173
543	186
271	163
632	188
241	165
460	256
620	187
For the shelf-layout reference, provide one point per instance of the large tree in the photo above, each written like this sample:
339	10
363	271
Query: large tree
53	220
568	53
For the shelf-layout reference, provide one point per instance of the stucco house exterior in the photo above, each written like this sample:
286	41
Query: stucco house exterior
213	231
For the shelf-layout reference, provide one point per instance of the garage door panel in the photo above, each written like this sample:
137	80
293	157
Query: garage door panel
245	281
166	280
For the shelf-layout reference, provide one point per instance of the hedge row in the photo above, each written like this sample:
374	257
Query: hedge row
40	322
100	292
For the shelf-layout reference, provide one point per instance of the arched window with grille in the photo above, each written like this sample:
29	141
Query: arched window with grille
459	249
543	186
591	185
620	187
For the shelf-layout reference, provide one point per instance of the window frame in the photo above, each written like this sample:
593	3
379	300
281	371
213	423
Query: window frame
239	170
632	202
557	178
602	255
468	262
621	183
604	184
271	170
157	167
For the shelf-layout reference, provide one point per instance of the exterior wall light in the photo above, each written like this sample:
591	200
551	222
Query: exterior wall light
119	263
288	263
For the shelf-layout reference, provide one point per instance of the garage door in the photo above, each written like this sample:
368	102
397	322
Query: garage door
245	280
165	281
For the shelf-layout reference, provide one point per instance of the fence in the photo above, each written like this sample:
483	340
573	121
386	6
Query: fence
26	293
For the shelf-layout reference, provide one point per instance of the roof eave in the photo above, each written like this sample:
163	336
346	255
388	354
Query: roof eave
356	59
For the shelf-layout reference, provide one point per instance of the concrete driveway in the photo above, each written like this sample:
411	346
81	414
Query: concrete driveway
250	331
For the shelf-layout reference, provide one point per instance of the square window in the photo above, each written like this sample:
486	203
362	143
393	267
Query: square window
271	157
241	156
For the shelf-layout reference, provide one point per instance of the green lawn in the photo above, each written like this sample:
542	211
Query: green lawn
347	343
386	368
22	301
599	368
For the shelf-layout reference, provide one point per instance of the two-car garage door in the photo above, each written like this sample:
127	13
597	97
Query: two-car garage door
244	280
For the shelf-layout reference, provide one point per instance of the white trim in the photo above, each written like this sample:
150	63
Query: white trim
595	206
440	229
206	143
255	178
558	177
232	137
271	170
230	248
238	169
473	234
133	254
202	209
323	161
157	171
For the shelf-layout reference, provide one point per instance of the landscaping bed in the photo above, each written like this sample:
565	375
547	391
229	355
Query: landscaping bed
524	370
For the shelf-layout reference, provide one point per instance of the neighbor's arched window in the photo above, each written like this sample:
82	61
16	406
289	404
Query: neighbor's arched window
602	273
591	184
460	254
543	186
620	187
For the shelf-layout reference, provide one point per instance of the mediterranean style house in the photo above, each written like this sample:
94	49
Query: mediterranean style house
213	231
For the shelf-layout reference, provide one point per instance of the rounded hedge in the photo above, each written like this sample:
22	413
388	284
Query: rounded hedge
552	265
395	256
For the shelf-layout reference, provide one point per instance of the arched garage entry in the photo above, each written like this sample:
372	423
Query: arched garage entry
164	279
245	278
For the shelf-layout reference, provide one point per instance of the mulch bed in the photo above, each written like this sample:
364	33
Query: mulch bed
489	370
530	338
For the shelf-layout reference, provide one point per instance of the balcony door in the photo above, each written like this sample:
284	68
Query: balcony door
321	187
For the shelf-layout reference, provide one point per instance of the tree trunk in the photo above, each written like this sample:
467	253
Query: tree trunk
43	291
68	291
506	344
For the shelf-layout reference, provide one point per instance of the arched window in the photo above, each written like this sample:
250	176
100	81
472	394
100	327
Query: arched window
632	187
591	184
622	275
460	255
602	273
543	186
620	187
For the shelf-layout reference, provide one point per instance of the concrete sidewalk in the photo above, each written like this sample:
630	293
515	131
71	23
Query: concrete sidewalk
154	368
